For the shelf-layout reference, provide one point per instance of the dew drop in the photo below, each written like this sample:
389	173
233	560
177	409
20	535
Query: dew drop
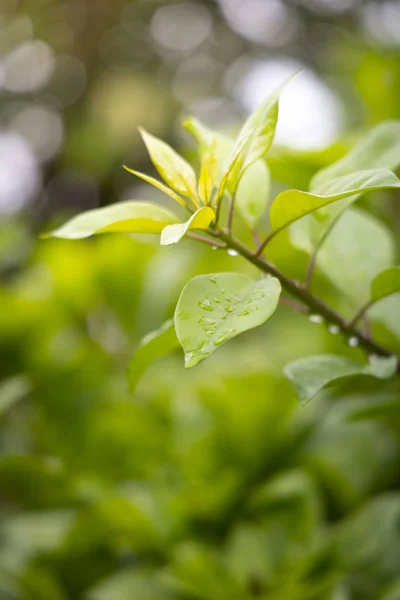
315	318
212	279
232	252
334	329
205	305
353	341
243	313
214	248
229	309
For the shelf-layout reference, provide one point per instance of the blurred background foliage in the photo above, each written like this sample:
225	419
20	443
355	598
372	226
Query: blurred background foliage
206	484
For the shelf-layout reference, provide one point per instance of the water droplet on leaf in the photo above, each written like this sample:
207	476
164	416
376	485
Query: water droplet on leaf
232	252
353	341
334	329
205	305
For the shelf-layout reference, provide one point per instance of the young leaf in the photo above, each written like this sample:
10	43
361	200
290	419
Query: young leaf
172	167
153	346
200	220
313	373
158	184
128	217
212	309
291	205
258	134
253	193
208	172
233	162
385	284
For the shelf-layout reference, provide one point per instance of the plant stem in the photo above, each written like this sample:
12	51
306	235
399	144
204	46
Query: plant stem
314	304
231	212
200	238
360	313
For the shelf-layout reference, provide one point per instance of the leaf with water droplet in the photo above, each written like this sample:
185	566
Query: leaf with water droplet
313	373
236	302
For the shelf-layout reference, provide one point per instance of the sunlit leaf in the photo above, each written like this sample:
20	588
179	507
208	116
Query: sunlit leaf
200	220
253	193
257	134
232	165
291	205
313	373
208	172
385	284
378	149
212	309
161	186
176	171
153	346
125	217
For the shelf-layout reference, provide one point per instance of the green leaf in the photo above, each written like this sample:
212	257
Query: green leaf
201	219
253	193
379	149
153	346
157	184
291	205
232	165
346	259
313	373
385	284
172	167
257	134
208	172
125	217
212	309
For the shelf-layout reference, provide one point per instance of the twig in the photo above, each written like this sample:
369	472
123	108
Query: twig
200	238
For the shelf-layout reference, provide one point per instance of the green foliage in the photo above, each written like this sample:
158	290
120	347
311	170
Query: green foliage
201	219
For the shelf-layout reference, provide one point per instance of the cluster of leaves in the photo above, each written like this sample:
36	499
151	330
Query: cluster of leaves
216	307
211	483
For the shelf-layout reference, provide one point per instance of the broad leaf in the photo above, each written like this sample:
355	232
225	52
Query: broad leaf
253	193
208	172
379	149
172	167
128	217
201	219
313	373
346	258
385	284
153	346
291	205
212	309
161	186
258	133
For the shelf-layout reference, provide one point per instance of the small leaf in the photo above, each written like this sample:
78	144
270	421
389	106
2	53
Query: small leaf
212	309
253	193
234	160
208	172
200	220
291	205
313	373
257	134
157	184
127	217
385	284
153	346
176	171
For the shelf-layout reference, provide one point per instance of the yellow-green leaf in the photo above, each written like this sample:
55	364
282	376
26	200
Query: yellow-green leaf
176	171
208	172
200	220
125	217
385	284
258	131
229	170
158	184
291	205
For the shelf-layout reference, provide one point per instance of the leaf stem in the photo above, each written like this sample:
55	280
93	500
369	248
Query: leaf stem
200	238
361	312
231	212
